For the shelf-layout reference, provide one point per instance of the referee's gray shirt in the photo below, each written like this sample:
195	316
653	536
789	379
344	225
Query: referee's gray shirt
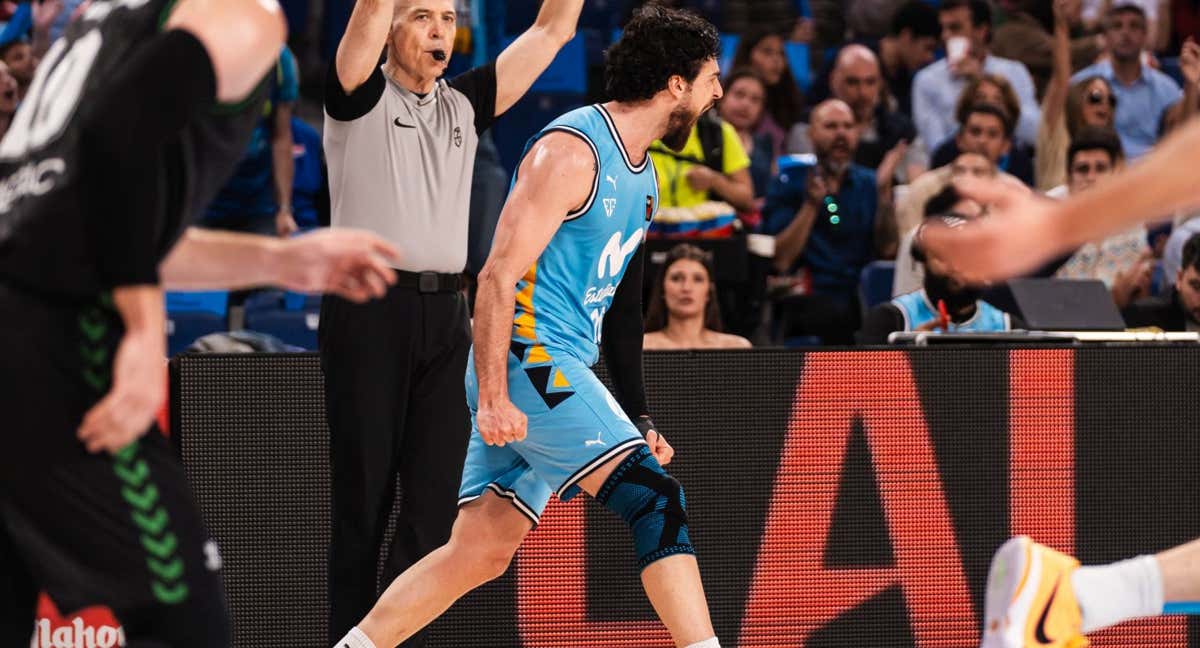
400	164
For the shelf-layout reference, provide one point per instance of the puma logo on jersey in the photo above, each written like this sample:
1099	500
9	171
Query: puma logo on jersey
615	252
610	204
595	442
612	180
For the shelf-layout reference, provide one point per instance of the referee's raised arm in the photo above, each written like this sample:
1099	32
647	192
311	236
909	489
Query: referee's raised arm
366	34
400	142
522	62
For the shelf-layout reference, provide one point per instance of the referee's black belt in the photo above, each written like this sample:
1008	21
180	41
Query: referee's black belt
429	282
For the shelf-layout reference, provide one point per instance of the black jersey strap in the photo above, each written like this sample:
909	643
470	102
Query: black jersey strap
166	83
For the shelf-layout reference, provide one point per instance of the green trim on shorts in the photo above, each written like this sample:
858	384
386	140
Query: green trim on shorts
154	523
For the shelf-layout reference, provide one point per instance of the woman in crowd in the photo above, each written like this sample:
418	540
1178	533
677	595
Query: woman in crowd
683	305
1067	108
743	107
763	52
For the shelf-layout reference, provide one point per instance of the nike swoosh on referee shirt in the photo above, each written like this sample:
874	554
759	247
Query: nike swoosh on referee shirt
396	121
1040	632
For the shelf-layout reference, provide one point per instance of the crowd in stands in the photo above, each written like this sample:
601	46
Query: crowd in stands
842	128
1050	96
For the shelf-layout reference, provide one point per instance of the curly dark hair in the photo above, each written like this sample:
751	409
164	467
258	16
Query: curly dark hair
657	44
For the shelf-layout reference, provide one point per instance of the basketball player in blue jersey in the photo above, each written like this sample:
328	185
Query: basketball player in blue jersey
1037	596
563	281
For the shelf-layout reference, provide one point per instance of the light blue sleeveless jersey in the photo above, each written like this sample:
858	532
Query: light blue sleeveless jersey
917	310
562	299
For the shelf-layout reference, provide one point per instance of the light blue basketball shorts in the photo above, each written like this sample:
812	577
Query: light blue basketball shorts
575	426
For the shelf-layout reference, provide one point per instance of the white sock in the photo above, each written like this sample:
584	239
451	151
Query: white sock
707	643
1110	594
355	639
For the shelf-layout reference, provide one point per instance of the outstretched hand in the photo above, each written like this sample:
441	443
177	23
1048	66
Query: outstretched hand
1011	240
352	264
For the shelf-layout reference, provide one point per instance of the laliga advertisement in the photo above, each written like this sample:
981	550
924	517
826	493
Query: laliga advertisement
836	498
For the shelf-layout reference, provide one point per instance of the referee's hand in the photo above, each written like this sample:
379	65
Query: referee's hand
353	264
500	423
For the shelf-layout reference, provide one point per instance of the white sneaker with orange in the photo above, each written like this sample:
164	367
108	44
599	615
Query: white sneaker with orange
1030	601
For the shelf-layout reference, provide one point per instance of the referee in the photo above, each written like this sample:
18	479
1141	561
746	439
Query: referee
401	148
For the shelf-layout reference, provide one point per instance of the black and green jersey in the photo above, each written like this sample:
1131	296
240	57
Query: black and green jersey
49	218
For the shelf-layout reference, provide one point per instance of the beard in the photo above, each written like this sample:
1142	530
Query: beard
679	127
956	296
835	156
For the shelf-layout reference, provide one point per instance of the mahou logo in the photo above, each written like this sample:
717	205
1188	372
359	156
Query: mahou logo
93	627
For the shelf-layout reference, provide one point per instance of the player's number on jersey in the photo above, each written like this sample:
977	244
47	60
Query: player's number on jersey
53	97
597	323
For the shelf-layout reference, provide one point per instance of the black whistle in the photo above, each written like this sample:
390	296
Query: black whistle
439	55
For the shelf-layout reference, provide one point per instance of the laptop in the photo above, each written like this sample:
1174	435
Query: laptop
1065	305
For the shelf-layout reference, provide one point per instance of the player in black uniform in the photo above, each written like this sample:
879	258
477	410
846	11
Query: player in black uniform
133	122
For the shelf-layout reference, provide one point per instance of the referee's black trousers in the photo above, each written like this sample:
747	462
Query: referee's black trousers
397	412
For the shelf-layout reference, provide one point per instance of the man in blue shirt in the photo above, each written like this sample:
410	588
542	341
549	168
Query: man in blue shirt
830	218
258	198
1148	101
937	87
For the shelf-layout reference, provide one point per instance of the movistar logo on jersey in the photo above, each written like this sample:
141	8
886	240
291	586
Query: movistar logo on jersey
615	252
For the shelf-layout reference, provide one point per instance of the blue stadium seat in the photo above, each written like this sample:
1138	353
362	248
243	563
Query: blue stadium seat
567	73
291	317
191	315
875	285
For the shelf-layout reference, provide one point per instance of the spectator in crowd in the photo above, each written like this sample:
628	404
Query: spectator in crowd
310	184
1028	36
1067	107
18	56
743	107
712	165
762	50
1016	159
1158	22
937	88
8	99
943	302
987	132
1124	261
856	80
1172	257
683	312
829	220
258	197
910	45
1148	101
1179	309
935	195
